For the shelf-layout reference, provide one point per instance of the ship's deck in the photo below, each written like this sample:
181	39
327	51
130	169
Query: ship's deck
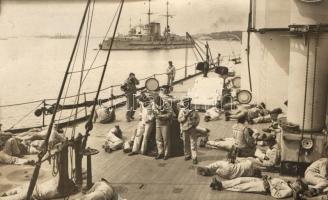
144	178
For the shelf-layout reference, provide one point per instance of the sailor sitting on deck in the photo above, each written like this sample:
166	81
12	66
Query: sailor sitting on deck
189	120
270	159
114	139
104	114
243	136
276	187
230	168
144	129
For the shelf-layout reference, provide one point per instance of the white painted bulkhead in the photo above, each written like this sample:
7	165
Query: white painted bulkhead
270	56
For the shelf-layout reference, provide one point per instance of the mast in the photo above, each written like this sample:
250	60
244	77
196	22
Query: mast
149	13
167	15
46	143
140	25
130	24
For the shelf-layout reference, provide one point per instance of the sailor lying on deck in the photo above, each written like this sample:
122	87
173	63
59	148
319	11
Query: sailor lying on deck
101	190
212	114
12	160
42	191
15	148
276	187
255	114
250	112
32	142
273	129
230	168
268	160
20	144
269	117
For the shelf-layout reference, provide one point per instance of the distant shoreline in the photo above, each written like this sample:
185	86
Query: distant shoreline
222	35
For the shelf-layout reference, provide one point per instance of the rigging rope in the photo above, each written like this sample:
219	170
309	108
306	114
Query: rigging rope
86	44
304	103
250	15
98	51
89	124
21	119
70	77
315	72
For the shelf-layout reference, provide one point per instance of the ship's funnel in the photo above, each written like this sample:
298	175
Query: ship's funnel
155	30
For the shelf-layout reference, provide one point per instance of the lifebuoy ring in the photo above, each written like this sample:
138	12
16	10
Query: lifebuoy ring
152	84
244	96
307	143
236	82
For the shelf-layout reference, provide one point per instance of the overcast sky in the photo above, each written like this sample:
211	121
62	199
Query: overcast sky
39	17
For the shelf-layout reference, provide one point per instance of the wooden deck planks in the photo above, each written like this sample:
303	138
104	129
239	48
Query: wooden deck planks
144	178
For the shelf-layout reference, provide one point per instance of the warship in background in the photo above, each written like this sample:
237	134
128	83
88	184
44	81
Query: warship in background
148	37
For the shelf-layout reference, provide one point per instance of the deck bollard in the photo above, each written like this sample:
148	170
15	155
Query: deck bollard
65	185
78	159
89	152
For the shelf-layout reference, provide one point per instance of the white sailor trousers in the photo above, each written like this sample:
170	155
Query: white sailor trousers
244	184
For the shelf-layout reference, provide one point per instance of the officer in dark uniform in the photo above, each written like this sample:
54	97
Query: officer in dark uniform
130	92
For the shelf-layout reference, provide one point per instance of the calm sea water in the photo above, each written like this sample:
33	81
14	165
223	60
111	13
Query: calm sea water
33	69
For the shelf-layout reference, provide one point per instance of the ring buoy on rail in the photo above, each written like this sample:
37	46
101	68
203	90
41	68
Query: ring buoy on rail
236	82
152	84
244	96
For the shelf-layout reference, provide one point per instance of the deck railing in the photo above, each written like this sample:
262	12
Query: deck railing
116	99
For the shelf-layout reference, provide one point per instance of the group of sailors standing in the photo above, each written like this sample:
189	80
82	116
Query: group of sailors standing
158	110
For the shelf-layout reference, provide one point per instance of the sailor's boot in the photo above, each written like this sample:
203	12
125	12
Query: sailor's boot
132	114
128	116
